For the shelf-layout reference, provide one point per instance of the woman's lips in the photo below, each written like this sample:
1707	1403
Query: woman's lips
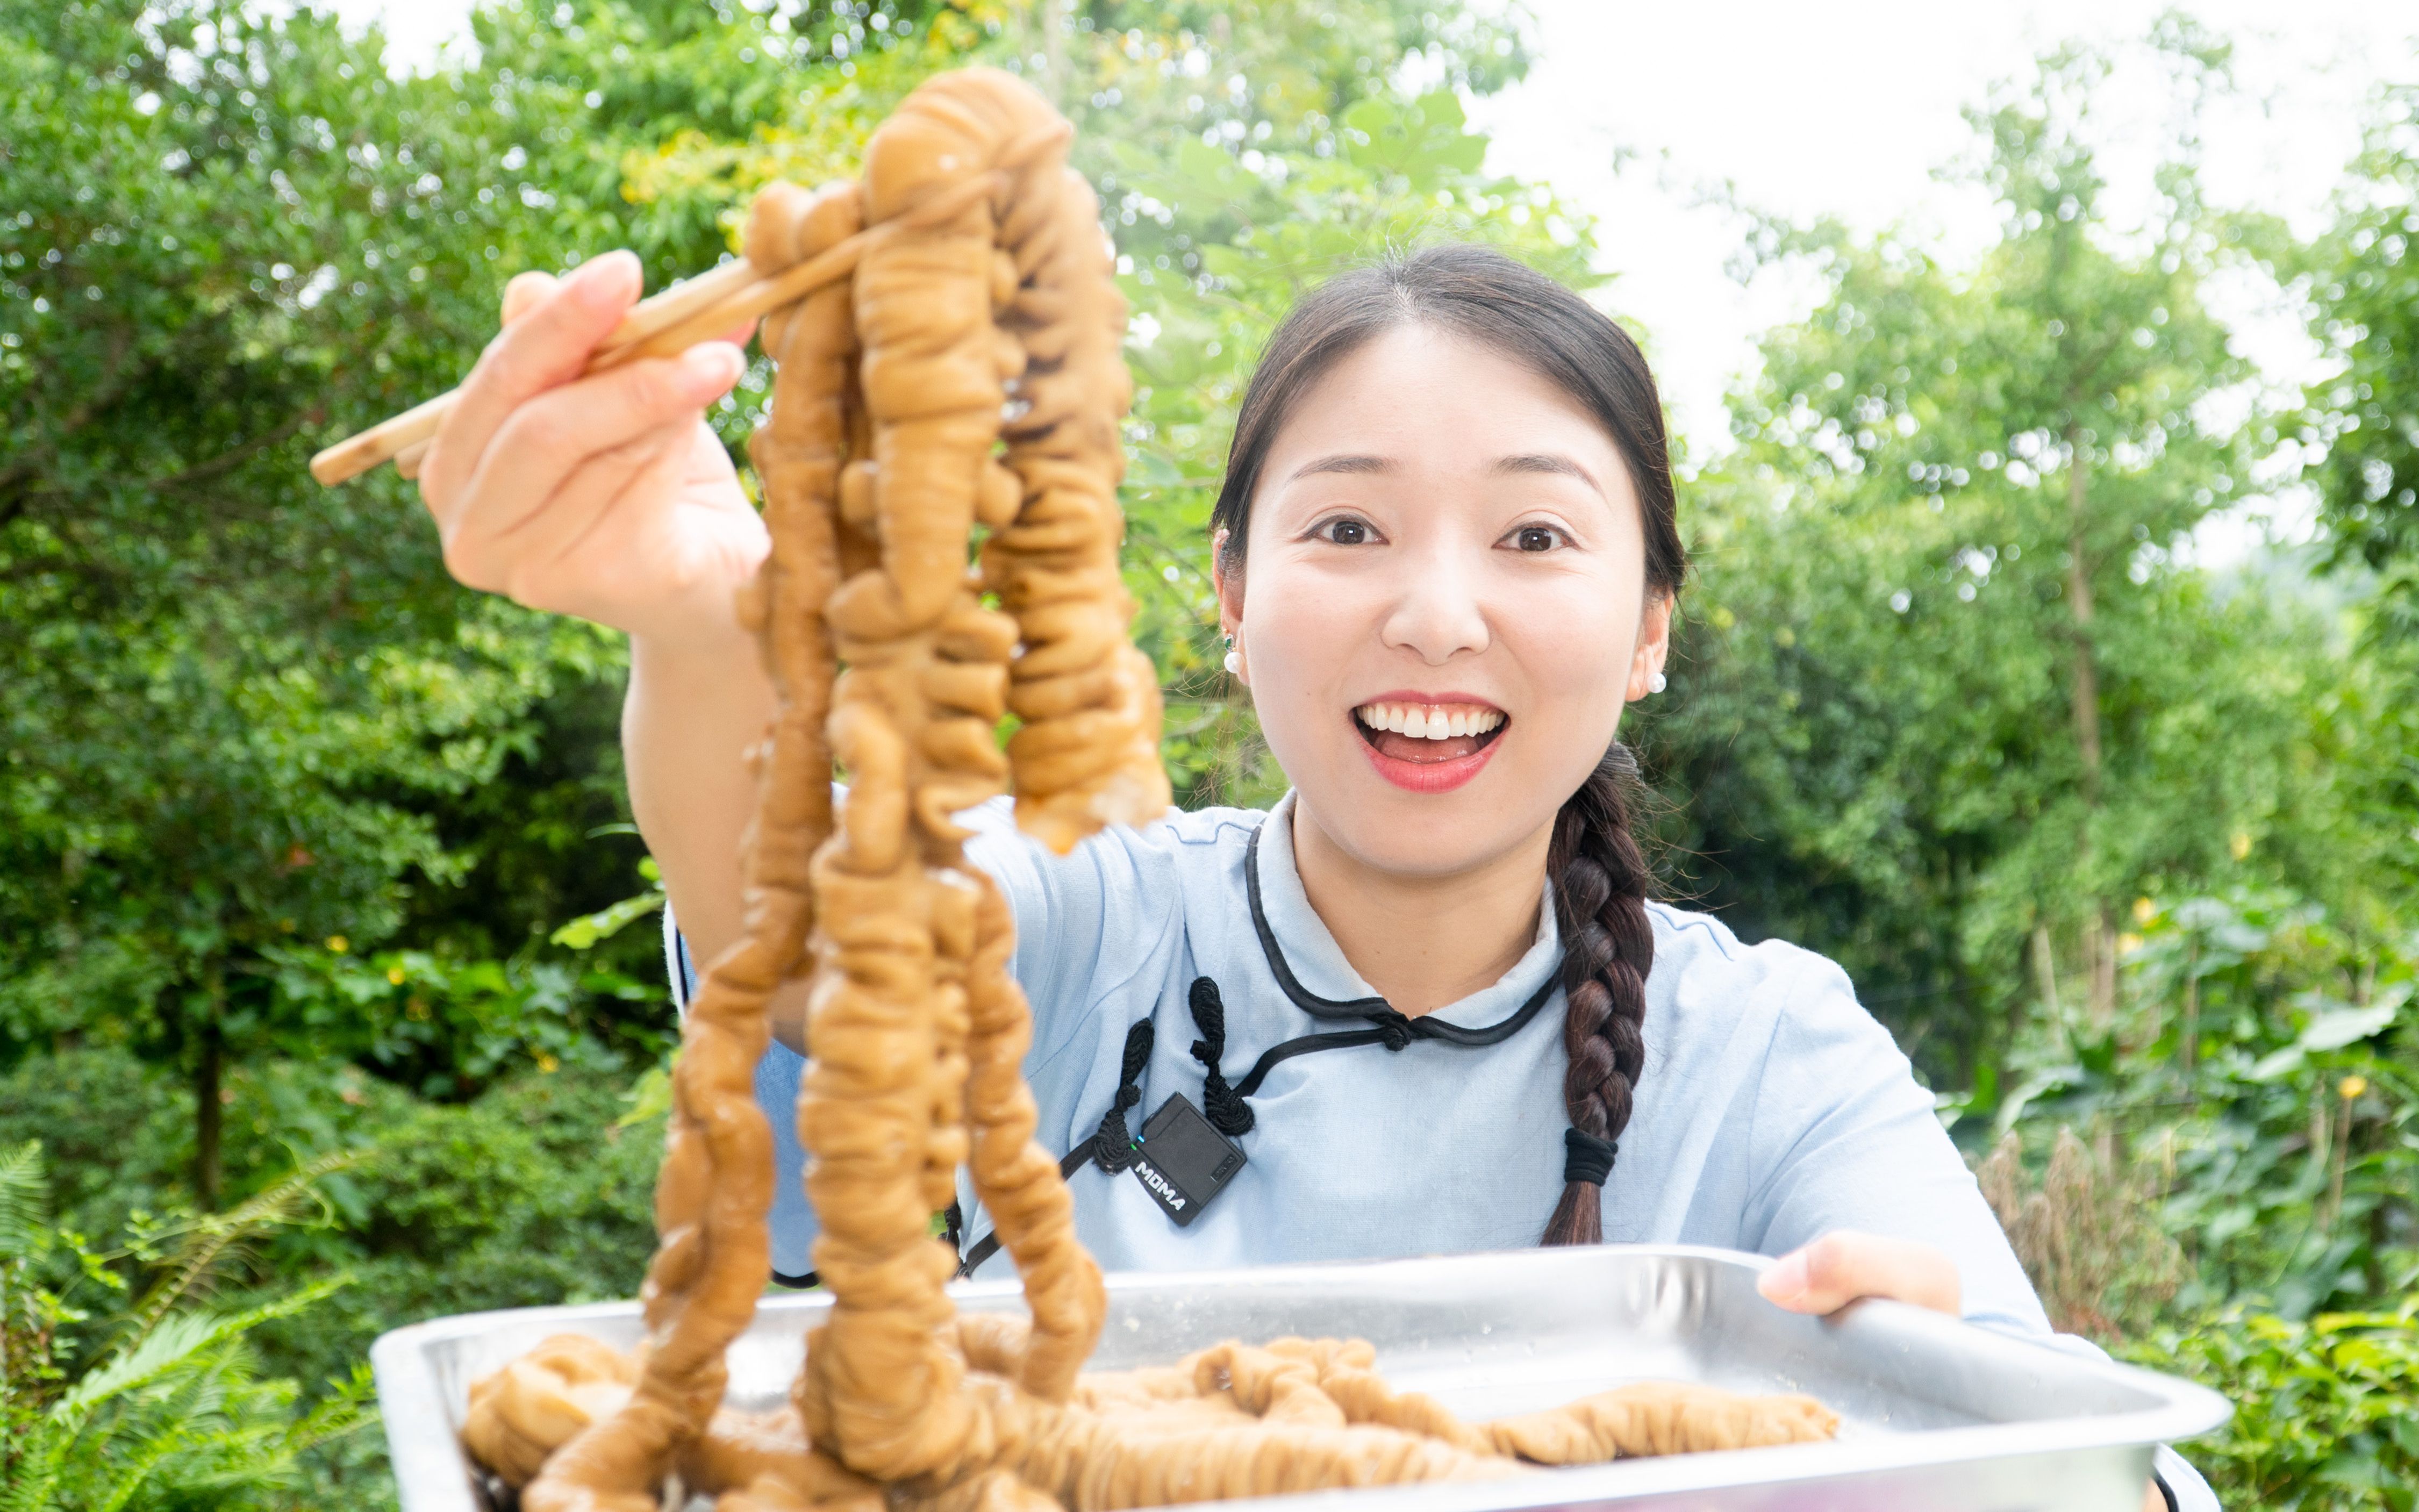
1419	765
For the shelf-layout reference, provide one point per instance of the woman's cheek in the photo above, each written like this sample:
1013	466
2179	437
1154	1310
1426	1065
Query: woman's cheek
1300	635
1573	639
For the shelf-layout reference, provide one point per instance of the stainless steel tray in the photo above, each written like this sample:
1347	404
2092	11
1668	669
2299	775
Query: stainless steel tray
1937	1414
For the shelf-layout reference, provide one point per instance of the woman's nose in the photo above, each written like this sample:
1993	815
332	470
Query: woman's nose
1437	612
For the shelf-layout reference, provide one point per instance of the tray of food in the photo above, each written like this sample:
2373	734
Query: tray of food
1934	1414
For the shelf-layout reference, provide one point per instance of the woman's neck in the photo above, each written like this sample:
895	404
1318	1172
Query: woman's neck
1424	942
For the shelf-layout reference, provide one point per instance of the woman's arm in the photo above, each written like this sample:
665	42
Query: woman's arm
689	720
1860	1187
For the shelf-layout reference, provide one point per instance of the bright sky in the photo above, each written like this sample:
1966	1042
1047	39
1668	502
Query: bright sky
1846	107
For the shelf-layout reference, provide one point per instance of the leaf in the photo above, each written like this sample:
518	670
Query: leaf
583	933
2333	1031
24	1201
650	1098
2279	1063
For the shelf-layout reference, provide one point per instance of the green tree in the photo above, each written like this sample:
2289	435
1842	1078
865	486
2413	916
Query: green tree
240	706
2362	426
1947	553
2365	419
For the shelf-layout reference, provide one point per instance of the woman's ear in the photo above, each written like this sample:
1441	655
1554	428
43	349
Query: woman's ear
1653	646
1230	586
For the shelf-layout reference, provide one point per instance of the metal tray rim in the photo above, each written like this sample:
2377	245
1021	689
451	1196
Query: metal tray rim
416	1416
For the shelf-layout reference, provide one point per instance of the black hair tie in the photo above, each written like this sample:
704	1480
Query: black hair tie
1587	1157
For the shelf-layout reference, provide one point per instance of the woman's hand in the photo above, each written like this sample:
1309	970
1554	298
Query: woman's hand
1845	1265
607	497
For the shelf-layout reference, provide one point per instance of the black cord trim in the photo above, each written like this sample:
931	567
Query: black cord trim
1395	1030
1278	1053
1220	1105
797	1283
1112	1144
987	1246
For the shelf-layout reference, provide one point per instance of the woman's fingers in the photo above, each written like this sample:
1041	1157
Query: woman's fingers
523	293
533	561
1845	1265
549	436
542	348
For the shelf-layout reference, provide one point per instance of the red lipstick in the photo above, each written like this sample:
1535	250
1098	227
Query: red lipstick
1422	766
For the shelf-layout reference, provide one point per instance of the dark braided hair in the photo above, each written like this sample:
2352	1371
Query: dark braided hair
1600	879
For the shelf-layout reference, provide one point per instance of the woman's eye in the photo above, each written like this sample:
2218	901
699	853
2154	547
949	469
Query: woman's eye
1538	538
1345	532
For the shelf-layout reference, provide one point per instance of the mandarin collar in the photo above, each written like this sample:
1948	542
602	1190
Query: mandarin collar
1318	962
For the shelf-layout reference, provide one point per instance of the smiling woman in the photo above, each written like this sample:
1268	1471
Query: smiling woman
1452	472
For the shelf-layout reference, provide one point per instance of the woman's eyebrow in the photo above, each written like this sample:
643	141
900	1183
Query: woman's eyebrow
1345	462
1544	462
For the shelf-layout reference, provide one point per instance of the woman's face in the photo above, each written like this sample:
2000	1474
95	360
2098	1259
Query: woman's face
1444	604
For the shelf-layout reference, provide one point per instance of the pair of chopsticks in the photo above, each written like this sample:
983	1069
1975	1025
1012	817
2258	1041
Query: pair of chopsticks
699	308
663	325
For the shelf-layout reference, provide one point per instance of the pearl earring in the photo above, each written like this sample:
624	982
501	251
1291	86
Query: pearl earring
1656	683
1234	663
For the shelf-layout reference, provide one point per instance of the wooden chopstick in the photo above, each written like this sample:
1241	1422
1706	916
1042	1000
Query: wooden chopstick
674	309
681	316
690	313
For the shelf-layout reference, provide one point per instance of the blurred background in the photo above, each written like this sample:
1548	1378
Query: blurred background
2047	377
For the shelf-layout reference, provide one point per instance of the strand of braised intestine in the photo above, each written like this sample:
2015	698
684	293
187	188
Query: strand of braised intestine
712	1192
885	1107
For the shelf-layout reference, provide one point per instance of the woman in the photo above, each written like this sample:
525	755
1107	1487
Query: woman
1426	998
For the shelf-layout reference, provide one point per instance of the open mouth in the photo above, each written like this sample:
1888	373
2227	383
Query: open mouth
1428	748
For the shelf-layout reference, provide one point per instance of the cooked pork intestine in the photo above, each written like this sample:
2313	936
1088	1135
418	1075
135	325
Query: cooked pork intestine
966	375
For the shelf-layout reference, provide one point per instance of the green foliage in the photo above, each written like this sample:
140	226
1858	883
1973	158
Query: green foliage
247	712
1951	554
2323	1412
161	1405
2365	419
2263	1085
537	1192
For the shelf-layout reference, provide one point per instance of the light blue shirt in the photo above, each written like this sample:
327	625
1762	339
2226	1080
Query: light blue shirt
1772	1109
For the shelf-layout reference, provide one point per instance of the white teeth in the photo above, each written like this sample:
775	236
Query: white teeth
1428	721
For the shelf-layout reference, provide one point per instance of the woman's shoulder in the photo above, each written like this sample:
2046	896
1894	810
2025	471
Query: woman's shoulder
1711	984
1776	1022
